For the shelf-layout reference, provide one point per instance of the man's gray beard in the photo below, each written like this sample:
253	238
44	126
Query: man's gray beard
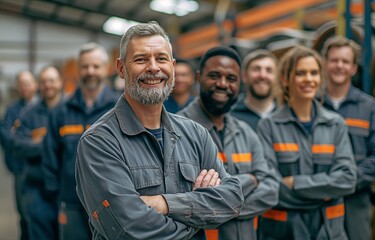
148	96
91	85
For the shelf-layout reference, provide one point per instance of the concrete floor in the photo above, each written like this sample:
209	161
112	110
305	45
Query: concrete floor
8	216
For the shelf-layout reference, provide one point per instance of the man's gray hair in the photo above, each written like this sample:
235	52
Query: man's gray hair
91	46
141	30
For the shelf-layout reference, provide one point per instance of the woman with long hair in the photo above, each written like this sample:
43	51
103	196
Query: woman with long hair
309	148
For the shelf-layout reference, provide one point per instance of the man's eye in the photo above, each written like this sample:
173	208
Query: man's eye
163	59
214	76
232	78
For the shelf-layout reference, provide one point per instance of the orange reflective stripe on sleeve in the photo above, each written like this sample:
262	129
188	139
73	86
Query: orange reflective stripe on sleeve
242	157
95	215
256	219
352	122
212	234
38	132
63	220
105	203
323	148
222	157
335	211
71	130
276	215
285	147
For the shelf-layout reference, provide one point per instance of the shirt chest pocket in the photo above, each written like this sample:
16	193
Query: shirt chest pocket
189	172
322	162
359	138
147	179
288	164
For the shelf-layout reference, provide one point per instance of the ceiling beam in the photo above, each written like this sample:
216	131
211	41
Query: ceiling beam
84	9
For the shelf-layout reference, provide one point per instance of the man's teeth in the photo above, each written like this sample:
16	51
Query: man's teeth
152	81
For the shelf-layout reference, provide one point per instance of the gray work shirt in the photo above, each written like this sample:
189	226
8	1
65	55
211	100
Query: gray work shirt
242	155
323	168
118	160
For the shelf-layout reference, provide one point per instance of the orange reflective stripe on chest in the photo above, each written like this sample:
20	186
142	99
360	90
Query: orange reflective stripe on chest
276	215
335	211
353	122
236	157
285	147
323	148
38	132
71	130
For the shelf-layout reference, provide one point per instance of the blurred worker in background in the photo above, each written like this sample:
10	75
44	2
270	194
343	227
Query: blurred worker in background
310	150
66	125
26	88
41	209
358	108
259	77
182	93
239	146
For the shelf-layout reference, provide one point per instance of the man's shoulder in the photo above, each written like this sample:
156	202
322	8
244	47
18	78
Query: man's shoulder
185	125
105	124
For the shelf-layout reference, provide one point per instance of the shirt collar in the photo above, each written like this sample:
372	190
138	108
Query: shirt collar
130	124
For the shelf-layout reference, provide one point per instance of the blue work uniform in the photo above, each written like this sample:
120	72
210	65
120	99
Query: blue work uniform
246	114
10	122
41	210
242	154
65	127
323	169
172	106
118	161
358	109
14	164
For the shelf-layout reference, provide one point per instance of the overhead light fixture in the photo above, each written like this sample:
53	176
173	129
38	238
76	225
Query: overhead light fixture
118	26
177	7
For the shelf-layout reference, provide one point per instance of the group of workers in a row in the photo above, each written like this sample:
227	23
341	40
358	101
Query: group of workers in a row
293	158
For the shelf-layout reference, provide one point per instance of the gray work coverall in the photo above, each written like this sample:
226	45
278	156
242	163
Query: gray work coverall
358	109
323	168
242	154
118	160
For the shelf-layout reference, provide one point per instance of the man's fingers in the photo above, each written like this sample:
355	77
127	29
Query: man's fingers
207	179
218	181
199	179
213	180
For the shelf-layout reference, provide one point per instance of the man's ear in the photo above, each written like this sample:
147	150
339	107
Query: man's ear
354	69
120	68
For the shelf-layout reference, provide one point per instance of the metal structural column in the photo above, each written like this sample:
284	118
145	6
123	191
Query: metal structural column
367	49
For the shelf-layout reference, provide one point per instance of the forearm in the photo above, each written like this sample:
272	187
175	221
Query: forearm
265	196
207	207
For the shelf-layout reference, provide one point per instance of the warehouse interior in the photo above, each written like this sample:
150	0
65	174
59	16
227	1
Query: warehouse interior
36	33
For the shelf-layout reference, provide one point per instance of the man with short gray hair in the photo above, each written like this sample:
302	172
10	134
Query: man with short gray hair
66	125
143	173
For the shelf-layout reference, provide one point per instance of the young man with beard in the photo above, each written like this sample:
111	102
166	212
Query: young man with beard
143	173
258	77
66	124
181	95
358	109
41	210
239	147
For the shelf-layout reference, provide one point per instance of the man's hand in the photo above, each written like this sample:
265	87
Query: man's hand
157	202
289	181
255	180
207	179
